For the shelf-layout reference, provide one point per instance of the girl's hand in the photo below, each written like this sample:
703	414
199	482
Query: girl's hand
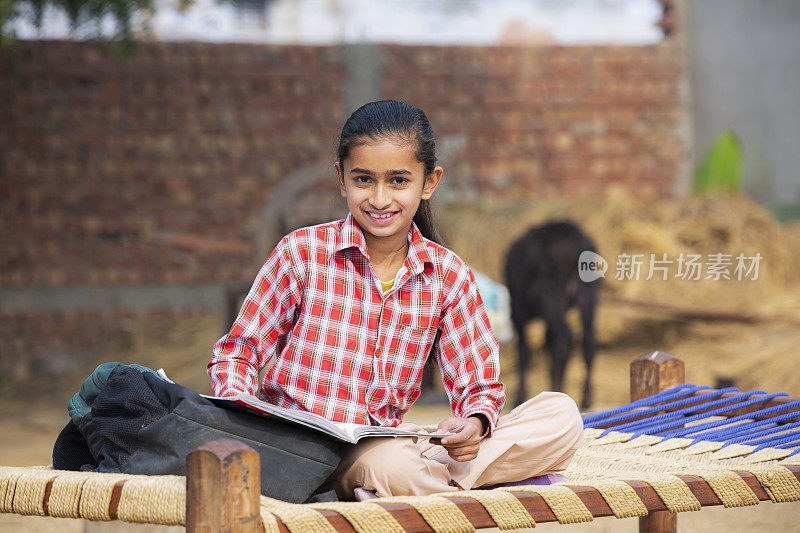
464	445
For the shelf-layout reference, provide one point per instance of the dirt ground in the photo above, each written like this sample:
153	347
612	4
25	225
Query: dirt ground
761	353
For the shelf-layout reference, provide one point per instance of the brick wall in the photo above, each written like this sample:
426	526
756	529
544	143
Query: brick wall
109	168
549	121
154	172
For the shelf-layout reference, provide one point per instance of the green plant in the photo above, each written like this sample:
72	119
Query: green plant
86	18
720	169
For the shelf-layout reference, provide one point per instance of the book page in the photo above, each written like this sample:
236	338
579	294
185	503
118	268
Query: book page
347	432
304	418
313	420
359	431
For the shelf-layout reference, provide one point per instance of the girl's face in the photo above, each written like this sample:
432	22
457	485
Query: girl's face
383	183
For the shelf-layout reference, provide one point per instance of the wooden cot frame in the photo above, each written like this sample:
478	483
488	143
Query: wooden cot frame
223	480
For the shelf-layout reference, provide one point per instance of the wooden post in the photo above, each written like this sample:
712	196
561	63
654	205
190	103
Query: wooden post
652	373
223	486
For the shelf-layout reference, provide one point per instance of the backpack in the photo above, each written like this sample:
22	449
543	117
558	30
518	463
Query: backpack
140	423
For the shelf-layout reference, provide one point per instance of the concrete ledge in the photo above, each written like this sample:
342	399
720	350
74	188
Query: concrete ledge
108	298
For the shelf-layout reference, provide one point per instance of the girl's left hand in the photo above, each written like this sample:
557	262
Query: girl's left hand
464	445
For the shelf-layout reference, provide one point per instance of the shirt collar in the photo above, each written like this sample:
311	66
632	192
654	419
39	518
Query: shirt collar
350	235
418	258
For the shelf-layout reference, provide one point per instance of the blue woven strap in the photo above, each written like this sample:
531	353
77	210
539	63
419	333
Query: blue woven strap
682	432
764	436
670	406
683	406
747	430
694	407
783	442
680	390
676	418
742	431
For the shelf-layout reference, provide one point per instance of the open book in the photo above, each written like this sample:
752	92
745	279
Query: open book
339	430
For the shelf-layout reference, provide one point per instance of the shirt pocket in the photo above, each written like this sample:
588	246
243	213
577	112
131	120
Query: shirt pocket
409	349
415	333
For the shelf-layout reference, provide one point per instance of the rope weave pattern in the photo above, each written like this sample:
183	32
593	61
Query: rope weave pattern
658	463
602	463
440	513
89	495
29	493
504	508
96	496
565	504
363	516
297	518
8	483
621	498
65	495
153	501
729	487
778	482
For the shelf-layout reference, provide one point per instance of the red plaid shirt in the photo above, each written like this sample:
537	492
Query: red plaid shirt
349	352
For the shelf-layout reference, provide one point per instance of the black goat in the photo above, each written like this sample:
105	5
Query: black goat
542	277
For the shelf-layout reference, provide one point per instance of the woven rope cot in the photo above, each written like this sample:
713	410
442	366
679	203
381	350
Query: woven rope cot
615	473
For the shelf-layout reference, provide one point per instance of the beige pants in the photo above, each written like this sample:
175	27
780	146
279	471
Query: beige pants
538	437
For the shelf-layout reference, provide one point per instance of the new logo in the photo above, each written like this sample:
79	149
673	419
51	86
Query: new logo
591	266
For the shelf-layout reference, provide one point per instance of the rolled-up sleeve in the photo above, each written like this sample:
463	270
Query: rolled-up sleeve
468	354
266	315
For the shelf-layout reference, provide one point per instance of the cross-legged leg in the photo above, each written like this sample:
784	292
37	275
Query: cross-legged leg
391	467
538	437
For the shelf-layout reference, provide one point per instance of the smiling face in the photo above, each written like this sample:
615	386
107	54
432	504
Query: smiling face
383	183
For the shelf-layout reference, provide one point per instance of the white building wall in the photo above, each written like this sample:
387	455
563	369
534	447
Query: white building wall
436	22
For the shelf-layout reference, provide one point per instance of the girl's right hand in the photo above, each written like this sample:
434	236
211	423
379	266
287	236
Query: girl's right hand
464	444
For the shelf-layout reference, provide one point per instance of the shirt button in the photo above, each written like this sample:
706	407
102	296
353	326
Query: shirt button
377	352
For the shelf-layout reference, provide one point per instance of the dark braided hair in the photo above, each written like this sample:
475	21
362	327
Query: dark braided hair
387	119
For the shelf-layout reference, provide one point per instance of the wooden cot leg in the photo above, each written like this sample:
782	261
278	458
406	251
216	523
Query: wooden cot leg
223	485
652	373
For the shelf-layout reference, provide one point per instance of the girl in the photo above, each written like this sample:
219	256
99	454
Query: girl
351	309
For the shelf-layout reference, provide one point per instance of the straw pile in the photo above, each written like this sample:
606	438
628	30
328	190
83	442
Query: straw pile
621	223
754	355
